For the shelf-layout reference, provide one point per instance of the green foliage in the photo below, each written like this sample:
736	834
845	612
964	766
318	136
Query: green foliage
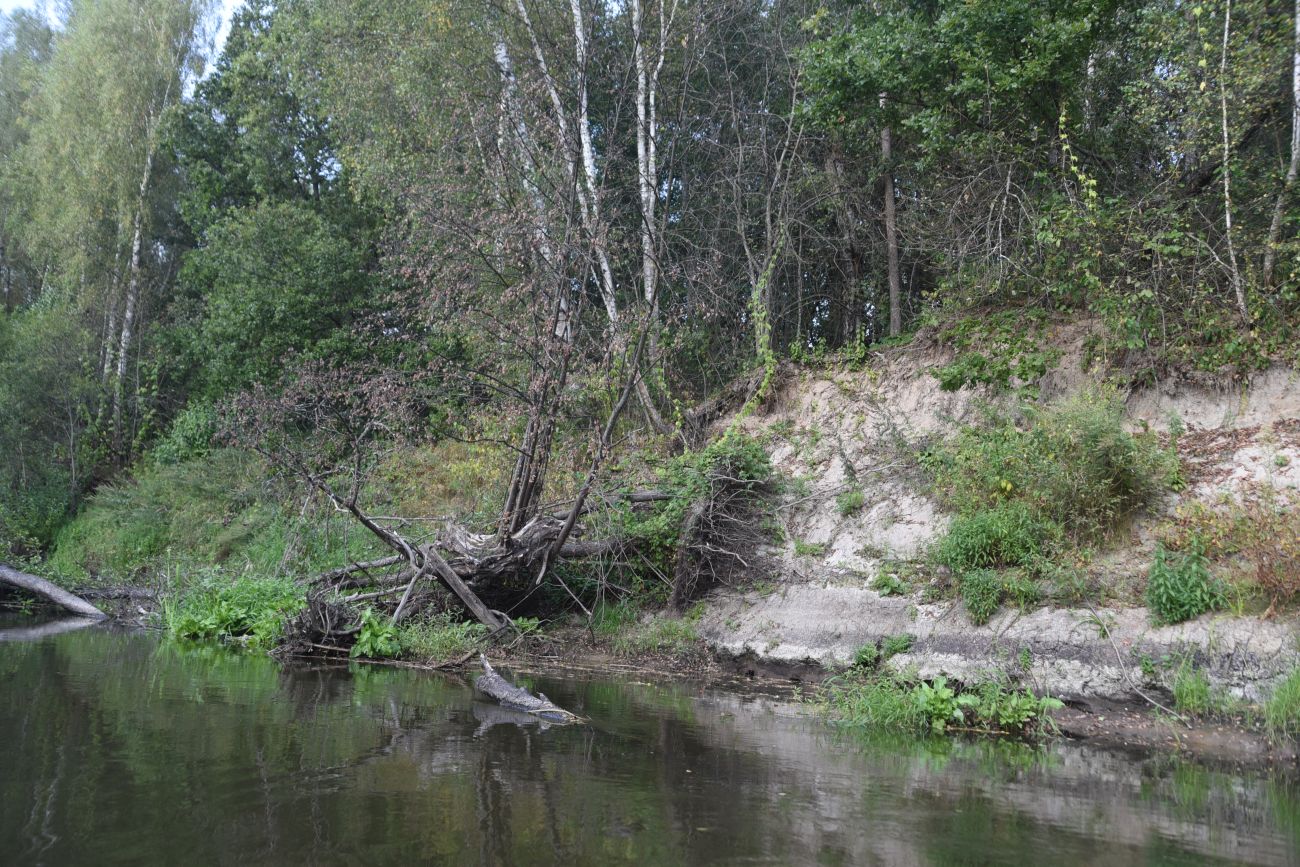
1181	588
866	699
189	437
1282	710
609	620
275	280
997	349
1028	496
248	608
981	593
809	549
1008	534
850	502
378	638
735	458
442	637
939	704
214	509
889	584
866	656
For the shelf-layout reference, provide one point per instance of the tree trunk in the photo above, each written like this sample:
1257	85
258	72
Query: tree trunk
1293	167
891	230
131	309
52	593
1238	287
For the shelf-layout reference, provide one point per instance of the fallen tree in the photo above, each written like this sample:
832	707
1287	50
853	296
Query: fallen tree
519	699
49	592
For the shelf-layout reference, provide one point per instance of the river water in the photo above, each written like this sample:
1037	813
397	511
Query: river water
121	748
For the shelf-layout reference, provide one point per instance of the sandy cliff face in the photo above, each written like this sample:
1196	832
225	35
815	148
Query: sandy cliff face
839	429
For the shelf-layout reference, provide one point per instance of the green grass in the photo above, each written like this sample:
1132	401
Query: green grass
214	509
1282	710
441	637
664	635
866	699
850	502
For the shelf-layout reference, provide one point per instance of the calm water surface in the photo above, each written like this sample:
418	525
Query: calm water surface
119	748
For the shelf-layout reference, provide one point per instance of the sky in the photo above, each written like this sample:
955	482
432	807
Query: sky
225	8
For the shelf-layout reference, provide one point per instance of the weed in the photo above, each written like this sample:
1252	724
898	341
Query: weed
1181	589
660	635
251	609
441	637
981	592
1193	694
889	584
609	620
378	637
809	549
867	699
893	645
867	656
850	502
1282	710
1009	534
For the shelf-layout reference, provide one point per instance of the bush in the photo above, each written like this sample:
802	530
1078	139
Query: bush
1009	534
981	592
249	608
1282	710
190	435
1072	465
1181	589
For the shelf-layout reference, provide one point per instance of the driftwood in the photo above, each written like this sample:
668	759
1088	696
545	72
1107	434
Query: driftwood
51	593
519	699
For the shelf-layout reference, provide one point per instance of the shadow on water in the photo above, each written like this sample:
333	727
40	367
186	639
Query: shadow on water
121	748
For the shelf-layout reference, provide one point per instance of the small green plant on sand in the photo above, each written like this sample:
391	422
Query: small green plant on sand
850	502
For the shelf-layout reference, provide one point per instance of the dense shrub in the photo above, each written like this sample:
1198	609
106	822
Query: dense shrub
1027	492
1181	588
1008	534
981	592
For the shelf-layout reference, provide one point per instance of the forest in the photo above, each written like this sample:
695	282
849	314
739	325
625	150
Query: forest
394	296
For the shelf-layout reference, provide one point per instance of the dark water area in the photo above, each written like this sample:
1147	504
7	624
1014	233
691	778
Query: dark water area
121	748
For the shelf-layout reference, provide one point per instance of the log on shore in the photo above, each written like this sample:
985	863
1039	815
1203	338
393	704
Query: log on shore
517	698
49	592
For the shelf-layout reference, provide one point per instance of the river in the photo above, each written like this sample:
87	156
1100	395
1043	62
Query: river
123	748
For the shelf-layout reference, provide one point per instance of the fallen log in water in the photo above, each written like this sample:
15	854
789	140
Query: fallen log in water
52	593
517	698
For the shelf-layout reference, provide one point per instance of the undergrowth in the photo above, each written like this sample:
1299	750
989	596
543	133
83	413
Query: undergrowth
1181	587
1033	491
883	700
249	609
442	637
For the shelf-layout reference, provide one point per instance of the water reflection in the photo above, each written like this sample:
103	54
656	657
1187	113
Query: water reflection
122	748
